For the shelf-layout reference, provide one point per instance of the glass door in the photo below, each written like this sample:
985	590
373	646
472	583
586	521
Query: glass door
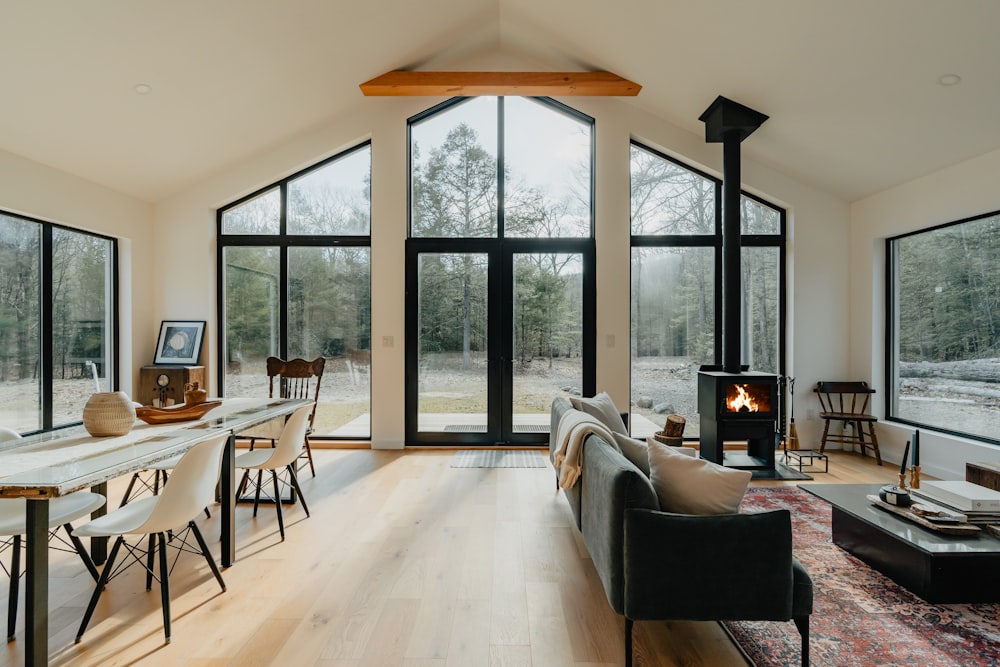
492	338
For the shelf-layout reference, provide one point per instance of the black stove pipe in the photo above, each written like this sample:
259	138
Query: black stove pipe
730	123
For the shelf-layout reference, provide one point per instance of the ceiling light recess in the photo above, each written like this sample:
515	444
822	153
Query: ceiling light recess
143	88
401	83
949	79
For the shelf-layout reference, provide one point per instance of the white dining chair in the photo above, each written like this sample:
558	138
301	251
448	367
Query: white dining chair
63	510
191	488
281	457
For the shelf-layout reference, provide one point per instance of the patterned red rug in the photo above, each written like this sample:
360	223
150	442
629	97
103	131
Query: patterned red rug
860	617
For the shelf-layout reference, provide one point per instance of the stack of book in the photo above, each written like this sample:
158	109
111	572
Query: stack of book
978	503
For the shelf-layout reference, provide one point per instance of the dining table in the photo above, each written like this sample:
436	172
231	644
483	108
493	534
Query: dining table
56	463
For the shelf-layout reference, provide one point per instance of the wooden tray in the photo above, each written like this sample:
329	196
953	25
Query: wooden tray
950	528
177	413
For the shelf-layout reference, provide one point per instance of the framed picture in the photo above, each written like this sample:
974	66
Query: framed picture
179	342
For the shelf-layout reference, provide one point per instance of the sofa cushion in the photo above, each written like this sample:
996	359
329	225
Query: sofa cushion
602	408
634	450
688	485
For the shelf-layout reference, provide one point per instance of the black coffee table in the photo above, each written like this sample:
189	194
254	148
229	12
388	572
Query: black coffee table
938	567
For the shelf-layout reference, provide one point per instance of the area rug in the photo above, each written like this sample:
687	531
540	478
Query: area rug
498	458
860	617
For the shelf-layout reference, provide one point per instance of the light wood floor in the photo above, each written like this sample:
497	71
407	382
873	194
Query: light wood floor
405	561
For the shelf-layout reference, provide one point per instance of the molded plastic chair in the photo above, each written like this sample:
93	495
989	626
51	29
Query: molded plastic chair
191	488
296	378
847	403
62	511
161	471
282	456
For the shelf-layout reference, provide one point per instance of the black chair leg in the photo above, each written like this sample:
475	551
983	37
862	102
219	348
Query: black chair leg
15	580
309	455
277	504
802	623
165	586
256	496
150	561
128	490
628	642
88	562
293	476
208	554
101	583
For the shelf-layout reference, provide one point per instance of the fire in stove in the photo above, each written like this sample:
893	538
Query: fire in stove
748	398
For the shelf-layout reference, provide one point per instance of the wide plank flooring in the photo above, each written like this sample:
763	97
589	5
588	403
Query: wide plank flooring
405	561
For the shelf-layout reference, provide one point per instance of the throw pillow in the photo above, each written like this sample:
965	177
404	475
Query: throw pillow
602	408
688	485
634	450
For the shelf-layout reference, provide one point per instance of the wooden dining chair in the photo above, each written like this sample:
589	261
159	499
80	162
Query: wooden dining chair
847	403
296	378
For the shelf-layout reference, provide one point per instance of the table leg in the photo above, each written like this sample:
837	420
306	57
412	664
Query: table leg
227	485
99	545
36	575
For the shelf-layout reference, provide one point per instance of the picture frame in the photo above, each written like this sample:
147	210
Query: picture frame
179	342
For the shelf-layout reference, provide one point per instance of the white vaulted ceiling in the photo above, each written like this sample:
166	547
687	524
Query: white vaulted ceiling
851	86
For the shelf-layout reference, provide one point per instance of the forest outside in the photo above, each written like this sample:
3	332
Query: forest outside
947	315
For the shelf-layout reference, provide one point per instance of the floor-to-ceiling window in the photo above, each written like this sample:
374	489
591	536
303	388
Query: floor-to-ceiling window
500	279
295	281
676	298
58	323
943	328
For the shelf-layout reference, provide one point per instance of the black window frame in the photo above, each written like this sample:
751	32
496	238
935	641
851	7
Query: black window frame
282	241
890	347
46	350
714	241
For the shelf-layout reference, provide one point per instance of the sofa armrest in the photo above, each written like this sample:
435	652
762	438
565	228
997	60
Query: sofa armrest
723	567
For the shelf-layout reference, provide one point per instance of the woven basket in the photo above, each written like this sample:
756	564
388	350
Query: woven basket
673	441
108	413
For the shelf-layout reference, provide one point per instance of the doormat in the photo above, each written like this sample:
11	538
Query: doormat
860	617
498	458
780	471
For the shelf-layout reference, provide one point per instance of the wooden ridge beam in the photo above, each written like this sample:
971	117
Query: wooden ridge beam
401	83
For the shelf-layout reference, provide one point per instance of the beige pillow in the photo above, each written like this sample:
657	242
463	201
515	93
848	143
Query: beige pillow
602	408
634	450
688	485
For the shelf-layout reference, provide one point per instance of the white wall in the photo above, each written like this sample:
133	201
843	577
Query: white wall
963	190
38	191
185	228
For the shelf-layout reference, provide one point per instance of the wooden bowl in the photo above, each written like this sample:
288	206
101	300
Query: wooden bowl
177	413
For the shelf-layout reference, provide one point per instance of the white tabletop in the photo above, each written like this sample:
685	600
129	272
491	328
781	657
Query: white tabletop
59	462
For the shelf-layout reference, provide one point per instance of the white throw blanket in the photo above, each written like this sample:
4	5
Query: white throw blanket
574	427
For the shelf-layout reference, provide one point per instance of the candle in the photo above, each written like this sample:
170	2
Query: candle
916	448
97	383
906	454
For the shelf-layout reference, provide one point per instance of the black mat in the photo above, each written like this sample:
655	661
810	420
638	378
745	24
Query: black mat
780	472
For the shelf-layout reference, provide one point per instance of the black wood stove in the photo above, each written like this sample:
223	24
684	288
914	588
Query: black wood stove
738	407
734	404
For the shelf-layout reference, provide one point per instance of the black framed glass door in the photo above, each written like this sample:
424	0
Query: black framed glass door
495	330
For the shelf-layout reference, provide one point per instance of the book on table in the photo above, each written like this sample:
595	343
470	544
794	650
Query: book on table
963	496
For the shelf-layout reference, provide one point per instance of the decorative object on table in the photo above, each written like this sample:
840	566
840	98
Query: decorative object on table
793	436
177	413
108	413
915	467
940	524
896	494
179	342
163	385
193	394
673	431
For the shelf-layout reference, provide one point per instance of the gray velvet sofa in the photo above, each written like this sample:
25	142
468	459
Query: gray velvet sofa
657	565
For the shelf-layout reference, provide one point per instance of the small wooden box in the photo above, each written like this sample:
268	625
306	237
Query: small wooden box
177	377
